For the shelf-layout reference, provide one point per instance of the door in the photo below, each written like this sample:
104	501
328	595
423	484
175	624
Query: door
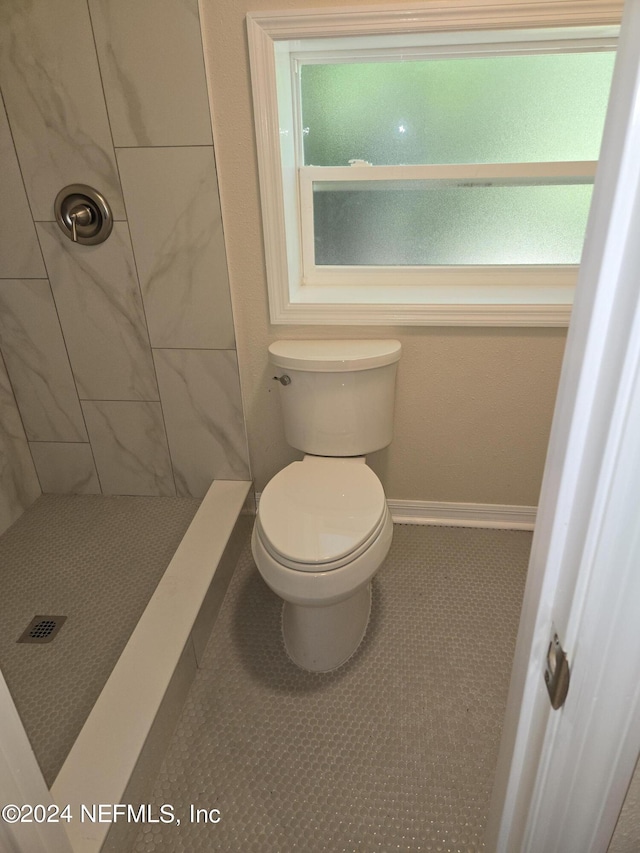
562	775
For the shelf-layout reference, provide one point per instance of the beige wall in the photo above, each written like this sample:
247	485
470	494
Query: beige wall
474	406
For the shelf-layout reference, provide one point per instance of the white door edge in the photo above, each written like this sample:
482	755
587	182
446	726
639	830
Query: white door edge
562	775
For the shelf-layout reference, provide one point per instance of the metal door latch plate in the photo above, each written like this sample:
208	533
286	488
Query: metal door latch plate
556	673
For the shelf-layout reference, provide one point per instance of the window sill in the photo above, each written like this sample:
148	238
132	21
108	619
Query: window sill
332	314
499	296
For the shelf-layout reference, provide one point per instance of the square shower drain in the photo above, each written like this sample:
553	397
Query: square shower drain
42	629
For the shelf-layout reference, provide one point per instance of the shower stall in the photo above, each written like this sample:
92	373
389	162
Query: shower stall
119	388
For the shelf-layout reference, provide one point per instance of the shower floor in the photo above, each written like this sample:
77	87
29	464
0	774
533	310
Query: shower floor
96	560
394	751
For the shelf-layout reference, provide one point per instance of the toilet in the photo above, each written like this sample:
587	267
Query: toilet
323	528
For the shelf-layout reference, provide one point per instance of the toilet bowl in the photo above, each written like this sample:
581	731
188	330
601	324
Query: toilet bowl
323	528
322	532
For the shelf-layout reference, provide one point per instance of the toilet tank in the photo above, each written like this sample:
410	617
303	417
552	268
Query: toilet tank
340	397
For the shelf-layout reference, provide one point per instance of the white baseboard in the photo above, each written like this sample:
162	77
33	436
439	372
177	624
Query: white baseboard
500	516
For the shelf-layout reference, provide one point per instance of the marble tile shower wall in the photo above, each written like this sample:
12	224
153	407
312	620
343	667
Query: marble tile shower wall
121	357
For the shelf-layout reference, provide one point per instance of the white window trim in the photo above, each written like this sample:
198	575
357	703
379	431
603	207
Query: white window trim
344	276
319	304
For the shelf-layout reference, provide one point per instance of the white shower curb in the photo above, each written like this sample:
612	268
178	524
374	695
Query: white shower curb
121	746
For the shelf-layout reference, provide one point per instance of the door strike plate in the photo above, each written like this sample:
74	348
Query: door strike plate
556	673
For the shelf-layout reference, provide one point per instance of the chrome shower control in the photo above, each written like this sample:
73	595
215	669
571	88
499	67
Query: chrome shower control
83	214
283	380
79	215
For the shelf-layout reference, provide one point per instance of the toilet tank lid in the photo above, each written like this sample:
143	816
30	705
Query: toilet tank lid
334	356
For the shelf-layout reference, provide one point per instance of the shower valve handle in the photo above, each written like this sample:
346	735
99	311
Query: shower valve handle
83	214
79	215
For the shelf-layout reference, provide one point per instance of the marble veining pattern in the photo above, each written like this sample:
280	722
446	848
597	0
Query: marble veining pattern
53	95
65	468
130	447
33	348
19	485
176	229
100	307
145	93
19	251
200	394
87	333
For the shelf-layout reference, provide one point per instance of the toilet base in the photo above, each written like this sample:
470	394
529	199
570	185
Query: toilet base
320	639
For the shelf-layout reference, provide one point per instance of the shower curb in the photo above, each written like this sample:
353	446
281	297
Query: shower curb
121	746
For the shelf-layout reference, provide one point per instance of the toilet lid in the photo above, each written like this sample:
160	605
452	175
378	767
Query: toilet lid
318	511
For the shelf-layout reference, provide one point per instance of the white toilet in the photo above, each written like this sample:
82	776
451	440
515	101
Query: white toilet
323	527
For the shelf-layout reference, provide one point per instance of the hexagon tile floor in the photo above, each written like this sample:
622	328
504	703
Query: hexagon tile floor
97	561
394	751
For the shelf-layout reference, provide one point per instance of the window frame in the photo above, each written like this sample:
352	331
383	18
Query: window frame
503	174
477	296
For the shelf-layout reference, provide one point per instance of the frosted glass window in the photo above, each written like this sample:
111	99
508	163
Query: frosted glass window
449	225
492	109
435	169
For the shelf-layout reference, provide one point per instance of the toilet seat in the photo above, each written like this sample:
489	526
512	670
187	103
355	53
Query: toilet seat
320	514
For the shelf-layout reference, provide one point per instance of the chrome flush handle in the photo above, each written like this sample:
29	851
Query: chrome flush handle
283	380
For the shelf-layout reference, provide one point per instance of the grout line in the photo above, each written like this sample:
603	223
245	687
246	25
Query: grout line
152	147
56	441
197	349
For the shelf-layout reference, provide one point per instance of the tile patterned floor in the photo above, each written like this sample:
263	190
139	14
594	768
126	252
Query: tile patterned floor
626	838
393	751
96	560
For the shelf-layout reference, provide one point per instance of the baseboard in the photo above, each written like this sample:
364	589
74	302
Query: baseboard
439	514
500	516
